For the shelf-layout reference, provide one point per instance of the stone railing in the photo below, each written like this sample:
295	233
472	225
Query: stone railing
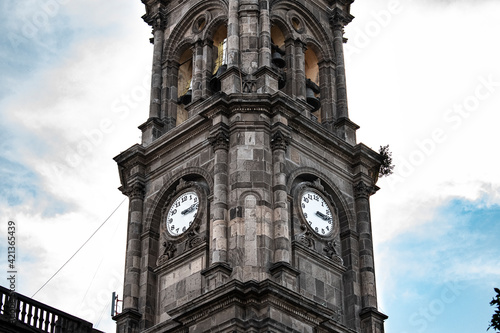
19	313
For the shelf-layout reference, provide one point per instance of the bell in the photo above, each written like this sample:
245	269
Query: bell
278	60
215	80
312	99
186	98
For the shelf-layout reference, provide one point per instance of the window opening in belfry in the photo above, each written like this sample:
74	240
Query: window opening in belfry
220	58
184	85
278	54
312	83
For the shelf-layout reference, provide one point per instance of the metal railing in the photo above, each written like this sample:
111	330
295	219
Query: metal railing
24	312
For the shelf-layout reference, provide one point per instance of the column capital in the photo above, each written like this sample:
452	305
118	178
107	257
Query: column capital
156	18
136	191
279	140
219	138
363	191
339	19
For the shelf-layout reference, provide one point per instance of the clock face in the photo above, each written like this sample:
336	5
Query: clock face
182	213
317	213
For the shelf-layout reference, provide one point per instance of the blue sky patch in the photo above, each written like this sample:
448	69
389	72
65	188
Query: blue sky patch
443	271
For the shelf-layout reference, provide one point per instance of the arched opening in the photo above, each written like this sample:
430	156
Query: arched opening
184	85
312	83
219	57
278	53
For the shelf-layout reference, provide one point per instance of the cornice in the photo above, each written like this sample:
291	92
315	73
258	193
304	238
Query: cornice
256	294
324	260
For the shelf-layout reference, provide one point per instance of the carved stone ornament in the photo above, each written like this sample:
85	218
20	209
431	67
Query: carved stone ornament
361	190
332	253
339	18
305	238
249	84
220	140
194	238
158	19
136	191
168	253
279	140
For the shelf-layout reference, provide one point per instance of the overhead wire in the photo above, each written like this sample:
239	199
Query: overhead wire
74	254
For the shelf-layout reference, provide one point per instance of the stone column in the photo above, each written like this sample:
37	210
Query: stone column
279	143
220	143
207	68
219	271
362	194
233	36
156	75
328	94
170	99
153	127
265	35
198	66
339	20
300	71
133	252
249	39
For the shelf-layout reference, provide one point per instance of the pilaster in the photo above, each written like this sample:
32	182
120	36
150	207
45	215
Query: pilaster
131	292
362	193
338	20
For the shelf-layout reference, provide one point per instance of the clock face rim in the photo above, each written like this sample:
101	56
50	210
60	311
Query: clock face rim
171	207
332	210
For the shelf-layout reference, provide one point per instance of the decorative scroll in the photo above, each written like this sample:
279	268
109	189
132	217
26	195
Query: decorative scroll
194	238
168	253
305	238
332	253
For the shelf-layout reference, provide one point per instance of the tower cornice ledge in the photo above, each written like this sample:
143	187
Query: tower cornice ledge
372	312
252	294
367	164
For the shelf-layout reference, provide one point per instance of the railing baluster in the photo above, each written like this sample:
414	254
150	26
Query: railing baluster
38	316
30	314
2	302
47	321
35	317
53	322
23	312
17	307
42	318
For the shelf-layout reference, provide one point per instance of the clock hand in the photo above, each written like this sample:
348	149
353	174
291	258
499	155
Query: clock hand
323	216
188	210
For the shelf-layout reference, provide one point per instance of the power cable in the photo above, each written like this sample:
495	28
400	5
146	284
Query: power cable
79	248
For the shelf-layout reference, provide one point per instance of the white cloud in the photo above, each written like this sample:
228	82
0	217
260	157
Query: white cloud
65	132
404	85
402	81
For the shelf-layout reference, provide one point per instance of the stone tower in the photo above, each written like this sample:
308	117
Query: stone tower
249	195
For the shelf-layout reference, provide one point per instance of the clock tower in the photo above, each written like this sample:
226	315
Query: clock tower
249	195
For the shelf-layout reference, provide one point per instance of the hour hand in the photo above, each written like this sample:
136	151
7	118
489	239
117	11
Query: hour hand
188	210
323	216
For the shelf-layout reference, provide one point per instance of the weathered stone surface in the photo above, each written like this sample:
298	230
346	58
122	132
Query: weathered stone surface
249	144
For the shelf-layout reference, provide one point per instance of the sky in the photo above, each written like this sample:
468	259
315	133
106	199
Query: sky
423	76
